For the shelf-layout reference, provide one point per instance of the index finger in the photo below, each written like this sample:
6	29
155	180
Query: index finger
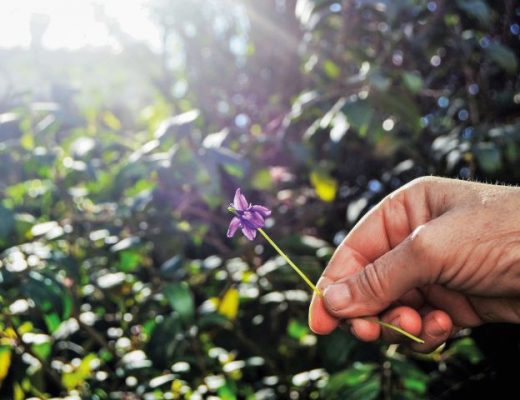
346	262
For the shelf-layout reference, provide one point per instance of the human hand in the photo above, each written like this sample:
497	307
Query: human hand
435	256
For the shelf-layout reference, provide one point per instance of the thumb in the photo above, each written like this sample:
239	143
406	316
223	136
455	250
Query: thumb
383	281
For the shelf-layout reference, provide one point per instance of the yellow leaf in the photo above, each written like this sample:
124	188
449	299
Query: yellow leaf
5	362
215	301
325	186
228	306
10	333
27	141
18	392
7	337
111	121
77	377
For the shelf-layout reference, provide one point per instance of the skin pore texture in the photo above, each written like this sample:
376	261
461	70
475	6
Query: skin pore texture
433	257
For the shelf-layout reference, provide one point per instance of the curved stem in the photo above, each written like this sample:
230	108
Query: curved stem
396	329
293	265
318	292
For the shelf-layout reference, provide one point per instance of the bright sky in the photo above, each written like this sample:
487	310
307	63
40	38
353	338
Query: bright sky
73	23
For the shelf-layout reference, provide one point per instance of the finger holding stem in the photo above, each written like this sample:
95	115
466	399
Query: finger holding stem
318	292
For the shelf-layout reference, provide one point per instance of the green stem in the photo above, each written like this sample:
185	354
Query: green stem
397	329
293	265
318	292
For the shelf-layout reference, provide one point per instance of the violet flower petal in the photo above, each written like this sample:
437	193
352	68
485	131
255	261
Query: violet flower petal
263	211
249	217
248	232
240	201
233	226
252	219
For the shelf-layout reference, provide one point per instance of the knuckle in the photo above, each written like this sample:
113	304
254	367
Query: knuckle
392	202
374	283
423	181
424	184
419	241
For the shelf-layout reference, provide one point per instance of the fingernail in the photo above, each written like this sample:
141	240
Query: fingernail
436	330
353	330
337	296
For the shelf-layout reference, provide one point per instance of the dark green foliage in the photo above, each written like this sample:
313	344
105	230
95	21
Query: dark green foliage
116	278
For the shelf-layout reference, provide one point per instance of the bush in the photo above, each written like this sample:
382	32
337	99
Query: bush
116	278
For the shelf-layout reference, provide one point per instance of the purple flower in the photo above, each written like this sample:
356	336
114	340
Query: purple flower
248	217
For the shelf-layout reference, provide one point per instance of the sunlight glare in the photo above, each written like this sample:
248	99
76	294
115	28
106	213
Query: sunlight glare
73	23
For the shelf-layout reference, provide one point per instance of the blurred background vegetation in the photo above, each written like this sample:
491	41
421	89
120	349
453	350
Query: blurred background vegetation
120	151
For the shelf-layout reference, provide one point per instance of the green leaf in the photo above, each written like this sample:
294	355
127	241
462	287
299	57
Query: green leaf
213	319
262	179
173	268
359	114
512	151
477	9
181	299
53	321
50	297
331	69
357	374
129	260
379	81
77	377
23	223
43	350
164	341
370	390
227	391
6	221
359	382
488	157
335	348
468	349
412	378
400	105
297	330
417	385
503	56
412	81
